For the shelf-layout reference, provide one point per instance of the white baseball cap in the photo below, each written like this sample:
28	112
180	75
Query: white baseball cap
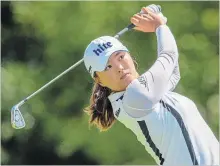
98	52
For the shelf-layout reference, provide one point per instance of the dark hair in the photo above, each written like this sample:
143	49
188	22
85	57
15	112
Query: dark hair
100	108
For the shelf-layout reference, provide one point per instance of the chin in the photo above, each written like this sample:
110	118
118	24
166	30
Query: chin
124	83
127	81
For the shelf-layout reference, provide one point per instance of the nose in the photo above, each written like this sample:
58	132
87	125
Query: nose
120	67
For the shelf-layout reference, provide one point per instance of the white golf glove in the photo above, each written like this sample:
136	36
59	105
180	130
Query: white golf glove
156	9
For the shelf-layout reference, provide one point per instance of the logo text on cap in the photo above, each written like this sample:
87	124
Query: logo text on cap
102	48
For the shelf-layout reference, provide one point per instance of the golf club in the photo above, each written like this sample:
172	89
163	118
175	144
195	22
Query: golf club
17	119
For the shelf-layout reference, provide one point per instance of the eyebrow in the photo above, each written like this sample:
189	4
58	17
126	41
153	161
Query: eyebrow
117	53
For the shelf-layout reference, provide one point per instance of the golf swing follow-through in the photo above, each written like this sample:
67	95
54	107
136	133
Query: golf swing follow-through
17	119
166	123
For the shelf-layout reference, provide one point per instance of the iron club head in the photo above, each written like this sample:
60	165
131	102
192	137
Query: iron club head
17	120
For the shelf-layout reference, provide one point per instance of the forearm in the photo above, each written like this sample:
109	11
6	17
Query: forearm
167	43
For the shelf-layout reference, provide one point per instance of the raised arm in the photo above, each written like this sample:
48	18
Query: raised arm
147	90
175	77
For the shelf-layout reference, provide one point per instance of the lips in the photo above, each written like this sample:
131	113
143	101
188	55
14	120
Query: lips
122	77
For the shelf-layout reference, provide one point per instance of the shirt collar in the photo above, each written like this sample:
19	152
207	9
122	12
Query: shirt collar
115	96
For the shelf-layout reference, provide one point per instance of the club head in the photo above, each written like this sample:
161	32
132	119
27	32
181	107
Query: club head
17	120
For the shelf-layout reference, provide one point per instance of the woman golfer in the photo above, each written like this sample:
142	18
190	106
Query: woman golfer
168	124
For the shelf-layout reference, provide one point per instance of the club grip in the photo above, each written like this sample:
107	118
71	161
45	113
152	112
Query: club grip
154	8
131	26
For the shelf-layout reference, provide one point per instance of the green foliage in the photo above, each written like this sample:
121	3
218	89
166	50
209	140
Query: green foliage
48	37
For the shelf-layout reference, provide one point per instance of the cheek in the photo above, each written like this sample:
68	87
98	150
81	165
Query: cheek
130	63
113	76
110	78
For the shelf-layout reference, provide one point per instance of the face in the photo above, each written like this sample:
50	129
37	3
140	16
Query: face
119	72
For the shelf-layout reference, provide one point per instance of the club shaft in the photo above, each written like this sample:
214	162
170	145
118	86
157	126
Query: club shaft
57	77
70	68
124	30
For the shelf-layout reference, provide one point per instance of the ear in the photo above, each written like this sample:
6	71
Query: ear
98	81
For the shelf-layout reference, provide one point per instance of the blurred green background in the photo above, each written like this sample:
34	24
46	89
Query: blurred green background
41	39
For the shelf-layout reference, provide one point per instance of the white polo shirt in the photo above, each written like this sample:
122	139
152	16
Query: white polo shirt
168	124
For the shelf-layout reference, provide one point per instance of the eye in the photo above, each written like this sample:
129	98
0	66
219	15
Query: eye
121	57
108	67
